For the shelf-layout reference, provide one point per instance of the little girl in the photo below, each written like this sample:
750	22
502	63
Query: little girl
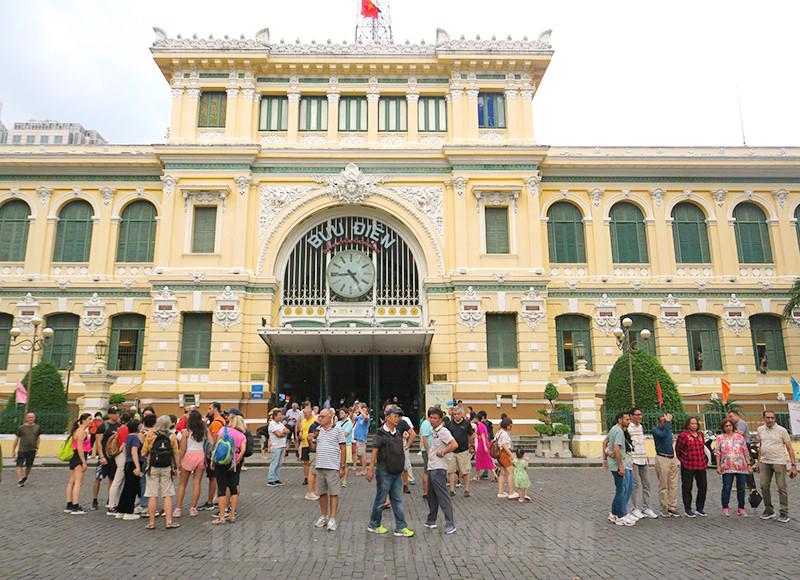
521	480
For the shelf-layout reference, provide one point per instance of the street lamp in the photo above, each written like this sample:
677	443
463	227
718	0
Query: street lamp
34	344
100	351
580	356
627	346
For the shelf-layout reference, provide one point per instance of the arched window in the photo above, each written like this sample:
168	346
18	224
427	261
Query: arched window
137	233
60	350
74	233
127	340
6	322
572	331
703	335
640	322
690	234
565	234
768	343
14	230
752	234
628	237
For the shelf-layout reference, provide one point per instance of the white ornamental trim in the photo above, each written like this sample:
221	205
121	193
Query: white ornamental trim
27	310
671	317
273	199
734	318
227	312
165	309
351	186
94	314
605	315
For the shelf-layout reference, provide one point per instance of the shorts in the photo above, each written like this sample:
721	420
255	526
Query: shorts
407	464
26	458
361	448
305	452
458	463
109	470
328	482
349	454
193	460
424	461
312	463
75	461
159	482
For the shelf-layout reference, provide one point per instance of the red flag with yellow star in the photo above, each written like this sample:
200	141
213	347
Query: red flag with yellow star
369	9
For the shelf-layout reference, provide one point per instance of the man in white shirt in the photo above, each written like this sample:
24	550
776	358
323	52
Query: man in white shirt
774	448
640	498
293	416
278	433
438	492
331	467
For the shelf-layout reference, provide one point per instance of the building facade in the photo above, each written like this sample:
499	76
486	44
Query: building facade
52	133
367	220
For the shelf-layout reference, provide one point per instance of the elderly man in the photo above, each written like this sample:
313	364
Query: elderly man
774	447
26	444
458	462
331	467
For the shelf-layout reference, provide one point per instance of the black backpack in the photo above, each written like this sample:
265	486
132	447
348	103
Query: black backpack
394	457
248	443
489	428
161	452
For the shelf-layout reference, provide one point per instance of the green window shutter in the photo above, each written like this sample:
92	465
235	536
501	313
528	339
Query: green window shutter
501	341
570	331
314	114
432	114
204	230
274	114
127	341
14	227
6	323
60	350
352	114
703	335
73	233
640	322
767	338
137	233
566	243
196	340
496	222
752	234
392	114
211	110
628	237
690	235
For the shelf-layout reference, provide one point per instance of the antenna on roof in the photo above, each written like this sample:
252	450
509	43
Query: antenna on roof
741	116
374	22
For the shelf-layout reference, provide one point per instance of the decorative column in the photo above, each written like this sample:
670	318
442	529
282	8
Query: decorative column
188	128
246	127
472	133
412	113
333	116
457	116
513	115
373	96
526	115
232	108
96	390
588	439
293	120
177	111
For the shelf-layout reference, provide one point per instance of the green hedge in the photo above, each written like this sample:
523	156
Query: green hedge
646	370
47	399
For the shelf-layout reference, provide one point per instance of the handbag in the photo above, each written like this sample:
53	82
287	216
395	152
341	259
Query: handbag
505	458
755	499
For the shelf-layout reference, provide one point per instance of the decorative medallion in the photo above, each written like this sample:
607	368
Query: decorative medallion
460	184
734	317
596	195
165	307
671	317
44	194
533	308
27	310
780	196
532	183
658	196
243	183
719	196
351	186
469	311
169	184
94	314
605	315
108	194
227	312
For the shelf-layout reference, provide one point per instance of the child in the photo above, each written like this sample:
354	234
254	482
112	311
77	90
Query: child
521	480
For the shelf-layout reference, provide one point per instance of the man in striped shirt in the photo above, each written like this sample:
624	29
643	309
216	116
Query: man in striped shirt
330	464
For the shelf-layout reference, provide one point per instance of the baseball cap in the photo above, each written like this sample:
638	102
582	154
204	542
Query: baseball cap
233	411
113	411
395	410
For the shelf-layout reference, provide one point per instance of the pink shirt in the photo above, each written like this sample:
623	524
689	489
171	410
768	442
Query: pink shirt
733	453
238	440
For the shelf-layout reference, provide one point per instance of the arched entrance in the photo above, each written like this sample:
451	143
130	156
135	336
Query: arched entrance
352	318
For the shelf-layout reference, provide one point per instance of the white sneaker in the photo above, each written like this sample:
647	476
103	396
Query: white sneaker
612	518
311	496
620	521
514	495
637	514
648	513
138	510
321	522
332	525
130	517
630	520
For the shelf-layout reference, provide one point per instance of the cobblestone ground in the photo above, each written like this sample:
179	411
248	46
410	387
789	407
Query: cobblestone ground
562	534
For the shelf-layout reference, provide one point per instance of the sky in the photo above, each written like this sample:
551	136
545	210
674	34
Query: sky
623	73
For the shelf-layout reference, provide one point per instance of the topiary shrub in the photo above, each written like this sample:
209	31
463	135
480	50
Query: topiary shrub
46	398
116	399
646	371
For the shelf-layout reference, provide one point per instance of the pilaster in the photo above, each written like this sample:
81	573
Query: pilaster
293	121
333	117
231	114
412	100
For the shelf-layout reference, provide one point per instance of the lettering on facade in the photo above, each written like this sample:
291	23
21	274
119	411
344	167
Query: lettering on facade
369	234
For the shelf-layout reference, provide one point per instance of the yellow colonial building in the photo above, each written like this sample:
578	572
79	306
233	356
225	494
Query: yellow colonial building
367	220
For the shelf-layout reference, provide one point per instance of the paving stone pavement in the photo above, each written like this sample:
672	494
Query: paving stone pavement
562	534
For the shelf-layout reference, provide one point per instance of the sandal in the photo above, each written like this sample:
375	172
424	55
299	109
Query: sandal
172	526
527	498
218	521
231	518
150	527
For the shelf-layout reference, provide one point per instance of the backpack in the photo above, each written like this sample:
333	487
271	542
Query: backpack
248	443
494	449
65	452
489	428
161	452
112	445
393	456
222	453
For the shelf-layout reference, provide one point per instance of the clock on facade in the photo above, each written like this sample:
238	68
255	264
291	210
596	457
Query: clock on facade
351	274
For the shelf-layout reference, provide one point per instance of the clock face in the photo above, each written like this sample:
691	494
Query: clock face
351	274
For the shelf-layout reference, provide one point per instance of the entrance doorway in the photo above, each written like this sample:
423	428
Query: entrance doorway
373	379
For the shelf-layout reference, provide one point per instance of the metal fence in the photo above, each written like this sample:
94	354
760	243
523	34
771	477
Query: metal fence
709	421
51	422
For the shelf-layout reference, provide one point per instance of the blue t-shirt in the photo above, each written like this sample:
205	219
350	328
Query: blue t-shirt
361	429
347	426
426	430
131	442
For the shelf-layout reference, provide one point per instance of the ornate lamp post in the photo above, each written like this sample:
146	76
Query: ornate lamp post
100	351
626	345
34	344
580	357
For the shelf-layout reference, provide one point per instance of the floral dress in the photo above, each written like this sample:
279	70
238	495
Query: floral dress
521	479
733	453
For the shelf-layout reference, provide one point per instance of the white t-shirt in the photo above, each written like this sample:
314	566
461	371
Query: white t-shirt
441	438
503	438
293	416
275	441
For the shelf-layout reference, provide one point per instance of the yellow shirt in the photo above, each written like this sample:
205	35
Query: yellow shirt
305	425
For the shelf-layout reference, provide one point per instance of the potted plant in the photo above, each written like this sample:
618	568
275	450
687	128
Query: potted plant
554	435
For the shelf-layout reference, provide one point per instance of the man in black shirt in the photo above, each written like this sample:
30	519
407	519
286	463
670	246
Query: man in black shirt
107	467
458	462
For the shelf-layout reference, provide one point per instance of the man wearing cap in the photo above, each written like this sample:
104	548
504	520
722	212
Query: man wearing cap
107	468
388	453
